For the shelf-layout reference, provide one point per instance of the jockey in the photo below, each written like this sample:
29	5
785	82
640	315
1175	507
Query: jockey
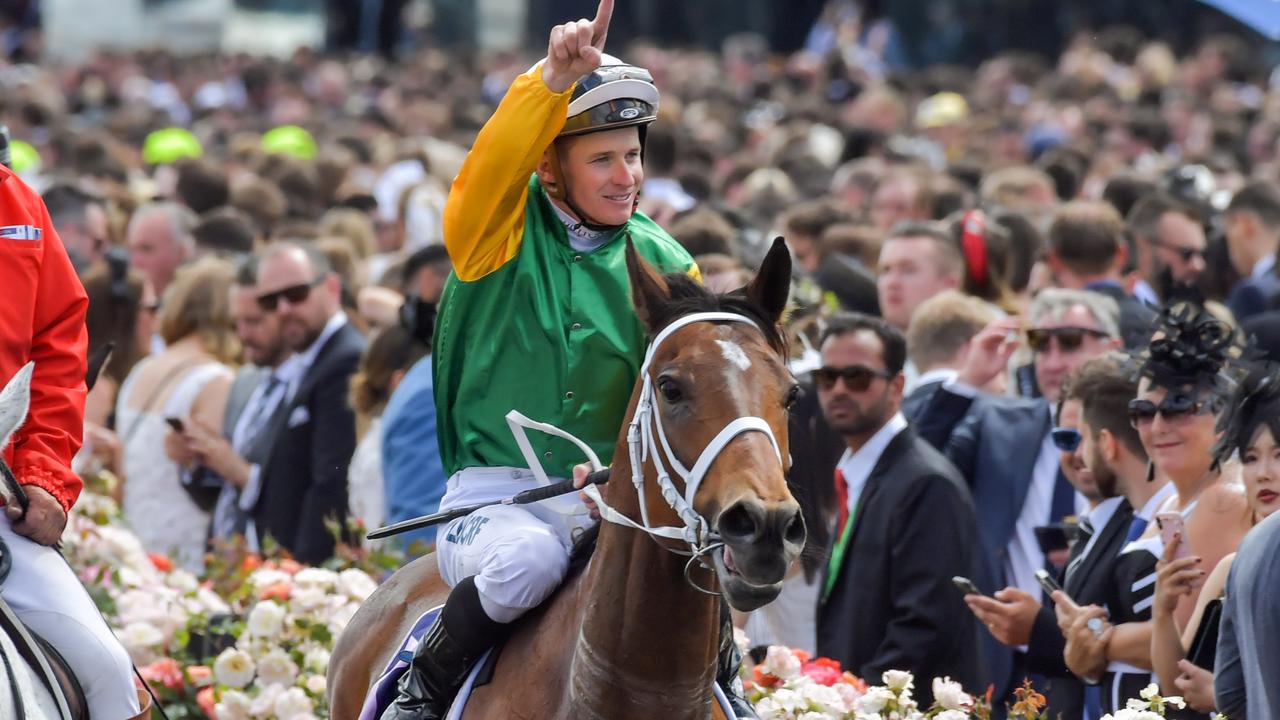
538	318
42	320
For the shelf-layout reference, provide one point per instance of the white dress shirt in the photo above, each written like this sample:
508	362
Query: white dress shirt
857	466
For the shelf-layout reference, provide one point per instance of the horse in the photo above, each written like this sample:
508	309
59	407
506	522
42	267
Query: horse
635	634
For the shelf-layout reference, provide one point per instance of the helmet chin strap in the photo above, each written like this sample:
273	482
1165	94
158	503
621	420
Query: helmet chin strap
560	191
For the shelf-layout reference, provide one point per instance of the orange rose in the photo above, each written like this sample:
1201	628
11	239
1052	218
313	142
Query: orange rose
290	566
251	562
162	563
165	671
276	591
199	675
207	702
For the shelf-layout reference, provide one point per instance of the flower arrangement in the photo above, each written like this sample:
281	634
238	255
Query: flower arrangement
1148	706
250	640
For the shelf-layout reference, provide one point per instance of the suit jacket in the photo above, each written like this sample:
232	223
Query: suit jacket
1092	579
994	442
1253	295
304	479
893	605
1264	328
916	400
1137	319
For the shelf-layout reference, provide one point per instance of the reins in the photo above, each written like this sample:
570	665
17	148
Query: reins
647	442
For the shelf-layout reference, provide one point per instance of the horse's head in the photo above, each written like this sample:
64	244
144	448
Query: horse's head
14	401
720	394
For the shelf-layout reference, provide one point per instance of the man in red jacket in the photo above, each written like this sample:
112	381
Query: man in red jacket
42	321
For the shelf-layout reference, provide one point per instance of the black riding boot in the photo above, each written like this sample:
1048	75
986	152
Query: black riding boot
454	642
729	667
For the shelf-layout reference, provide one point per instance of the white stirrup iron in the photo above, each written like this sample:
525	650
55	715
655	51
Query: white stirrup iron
647	442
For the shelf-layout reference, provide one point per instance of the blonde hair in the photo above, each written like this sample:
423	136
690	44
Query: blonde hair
198	302
942	325
350	225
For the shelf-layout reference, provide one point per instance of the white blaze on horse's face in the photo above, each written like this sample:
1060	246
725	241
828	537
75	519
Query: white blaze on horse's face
14	401
734	354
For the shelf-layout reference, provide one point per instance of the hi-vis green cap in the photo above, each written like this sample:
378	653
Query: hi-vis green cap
290	140
170	145
23	157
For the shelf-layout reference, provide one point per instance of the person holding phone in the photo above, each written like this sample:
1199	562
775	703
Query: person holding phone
1252	431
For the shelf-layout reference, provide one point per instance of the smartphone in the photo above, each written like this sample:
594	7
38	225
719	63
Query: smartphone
1170	525
966	586
1047	582
176	424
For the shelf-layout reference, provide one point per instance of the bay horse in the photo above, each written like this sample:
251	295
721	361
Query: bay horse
635	635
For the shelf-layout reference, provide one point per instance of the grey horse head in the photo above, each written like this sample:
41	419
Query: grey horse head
15	400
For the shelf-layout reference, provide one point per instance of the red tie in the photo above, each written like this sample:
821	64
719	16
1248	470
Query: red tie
842	497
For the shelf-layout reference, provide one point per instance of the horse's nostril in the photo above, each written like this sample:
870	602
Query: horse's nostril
738	523
795	531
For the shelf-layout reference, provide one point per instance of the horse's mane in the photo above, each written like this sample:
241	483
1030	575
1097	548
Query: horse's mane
688	296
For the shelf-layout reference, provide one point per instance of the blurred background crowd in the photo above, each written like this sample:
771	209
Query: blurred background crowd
1014	189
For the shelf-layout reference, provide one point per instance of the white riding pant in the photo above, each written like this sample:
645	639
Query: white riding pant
45	593
518	554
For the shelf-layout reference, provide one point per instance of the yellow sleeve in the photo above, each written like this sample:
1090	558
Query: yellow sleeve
484	215
695	272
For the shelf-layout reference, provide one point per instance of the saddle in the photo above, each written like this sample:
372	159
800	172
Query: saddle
39	655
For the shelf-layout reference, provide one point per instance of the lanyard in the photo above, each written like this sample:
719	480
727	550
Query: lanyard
837	553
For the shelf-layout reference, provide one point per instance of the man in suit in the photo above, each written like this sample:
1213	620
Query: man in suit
1169	248
227	455
1248	661
1087	251
1103	569
938	341
1252	224
1004	448
1122	578
303	482
906	524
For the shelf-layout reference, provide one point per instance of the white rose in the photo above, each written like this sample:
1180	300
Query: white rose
141	639
182	581
212	603
233	668
781	663
769	709
316	577
316	685
944	715
741	640
339	618
821	697
898	680
848	693
276	668
316	660
266	619
356	584
232	705
265	577
306	598
291	702
874	700
788	699
816	716
264	704
950	695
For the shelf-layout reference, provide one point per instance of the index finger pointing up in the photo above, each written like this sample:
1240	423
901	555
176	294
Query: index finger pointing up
600	26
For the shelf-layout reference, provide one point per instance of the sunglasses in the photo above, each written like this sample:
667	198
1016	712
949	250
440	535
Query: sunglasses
1174	407
856	377
1183	252
1065	439
295	294
1069	338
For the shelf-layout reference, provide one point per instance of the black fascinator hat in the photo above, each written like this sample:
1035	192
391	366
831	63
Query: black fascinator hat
1256	403
1192	351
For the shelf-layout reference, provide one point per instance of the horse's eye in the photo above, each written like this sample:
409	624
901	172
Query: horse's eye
792	396
670	390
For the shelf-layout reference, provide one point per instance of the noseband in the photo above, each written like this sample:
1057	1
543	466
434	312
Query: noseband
647	443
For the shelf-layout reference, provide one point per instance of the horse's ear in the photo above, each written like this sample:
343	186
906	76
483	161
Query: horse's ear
649	290
771	287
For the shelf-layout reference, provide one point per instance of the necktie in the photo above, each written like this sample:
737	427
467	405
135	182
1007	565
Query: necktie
1136	528
1084	532
267	402
842	498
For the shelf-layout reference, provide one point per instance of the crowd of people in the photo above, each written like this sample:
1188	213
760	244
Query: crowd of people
1032	307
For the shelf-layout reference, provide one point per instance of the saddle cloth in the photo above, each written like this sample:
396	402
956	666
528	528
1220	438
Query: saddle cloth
383	692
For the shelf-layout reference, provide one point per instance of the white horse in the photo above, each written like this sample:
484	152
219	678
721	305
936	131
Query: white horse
23	693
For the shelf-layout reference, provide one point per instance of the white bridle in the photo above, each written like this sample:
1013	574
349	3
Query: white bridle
647	442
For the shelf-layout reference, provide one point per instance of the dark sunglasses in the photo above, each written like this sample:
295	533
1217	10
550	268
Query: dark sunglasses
1183	252
1069	338
1174	407
856	377
1065	439
294	294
